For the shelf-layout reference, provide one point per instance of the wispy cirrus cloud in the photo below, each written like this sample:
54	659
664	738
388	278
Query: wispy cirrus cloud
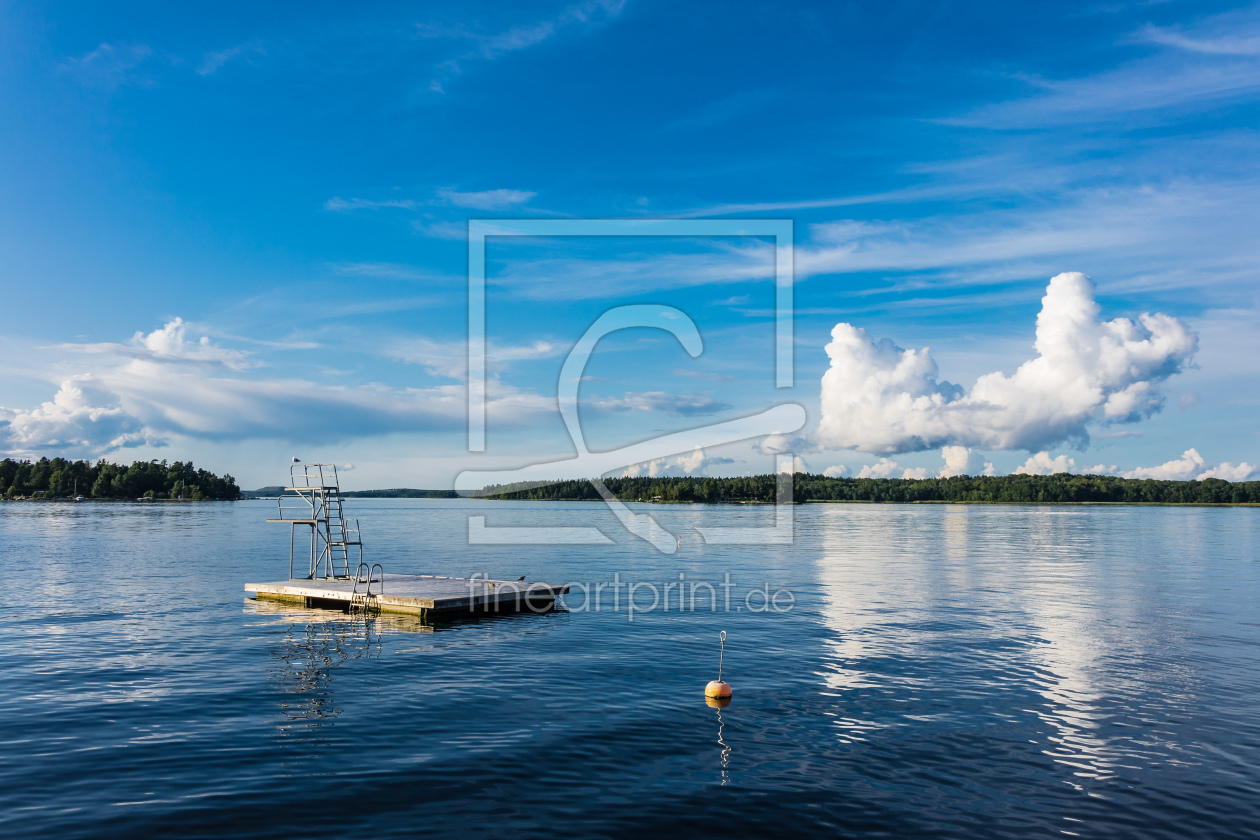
342	205
1202	67
496	199
110	65
449	359
685	404
491	45
723	110
394	271
1146	236
215	59
485	199
454	231
575	278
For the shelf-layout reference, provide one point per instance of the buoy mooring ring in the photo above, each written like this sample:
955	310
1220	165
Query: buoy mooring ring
717	688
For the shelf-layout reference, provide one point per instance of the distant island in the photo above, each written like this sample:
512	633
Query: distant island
60	478
1061	488
395	493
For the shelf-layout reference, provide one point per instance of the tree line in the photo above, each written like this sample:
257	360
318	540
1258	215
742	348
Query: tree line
59	477
1031	489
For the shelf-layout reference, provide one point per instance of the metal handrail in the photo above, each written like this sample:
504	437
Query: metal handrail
365	599
311	471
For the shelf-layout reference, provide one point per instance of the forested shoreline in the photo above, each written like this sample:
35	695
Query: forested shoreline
1061	488
62	478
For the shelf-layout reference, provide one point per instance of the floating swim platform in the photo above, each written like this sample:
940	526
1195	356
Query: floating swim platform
417	594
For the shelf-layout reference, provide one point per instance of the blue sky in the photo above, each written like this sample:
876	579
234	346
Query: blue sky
293	184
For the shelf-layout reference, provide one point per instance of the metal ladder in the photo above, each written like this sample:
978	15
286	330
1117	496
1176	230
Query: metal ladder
365	600
313	498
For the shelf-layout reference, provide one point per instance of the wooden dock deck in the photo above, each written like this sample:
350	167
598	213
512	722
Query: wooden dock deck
421	594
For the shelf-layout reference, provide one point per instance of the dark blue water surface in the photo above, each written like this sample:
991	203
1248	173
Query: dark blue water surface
946	671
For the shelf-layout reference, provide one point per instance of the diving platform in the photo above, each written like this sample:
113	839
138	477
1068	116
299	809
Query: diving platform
418	594
313	500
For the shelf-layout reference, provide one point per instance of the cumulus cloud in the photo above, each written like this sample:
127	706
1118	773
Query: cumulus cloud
798	465
879	398
1230	472
83	418
171	342
1043	464
681	465
835	471
959	460
781	444
1192	465
162	385
884	468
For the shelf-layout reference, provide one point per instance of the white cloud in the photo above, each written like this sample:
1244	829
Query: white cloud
394	271
83	418
110	65
780	444
915	472
1181	469
1203	67
685	404
835	471
441	230
1230	472
884	468
1043	464
342	205
1192	465
567	278
486	199
1232	33
879	398
681	465
490	46
162	385
449	359
214	60
959	460
798	465
171	342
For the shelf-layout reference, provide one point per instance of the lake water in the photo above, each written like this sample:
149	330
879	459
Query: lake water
945	671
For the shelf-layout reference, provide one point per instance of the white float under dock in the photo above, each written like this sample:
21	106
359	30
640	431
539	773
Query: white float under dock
420	594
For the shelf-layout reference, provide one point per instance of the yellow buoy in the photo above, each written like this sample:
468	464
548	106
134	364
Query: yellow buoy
717	688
